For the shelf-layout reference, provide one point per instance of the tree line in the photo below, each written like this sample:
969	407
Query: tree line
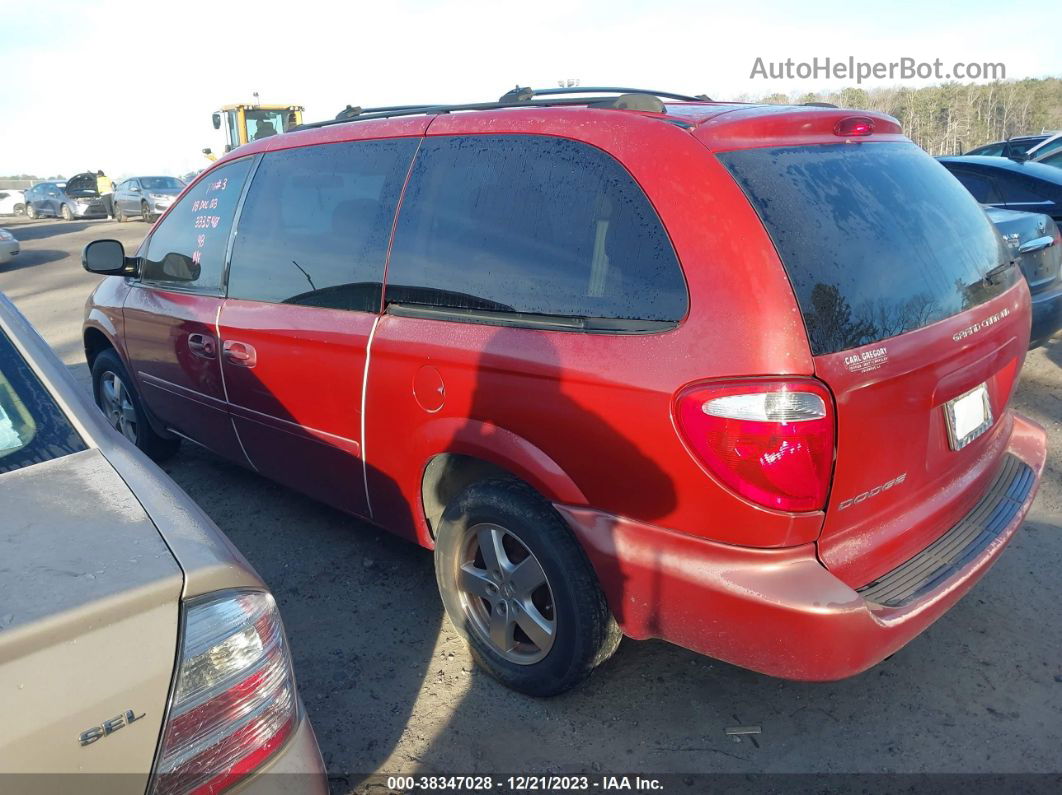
31	176
953	117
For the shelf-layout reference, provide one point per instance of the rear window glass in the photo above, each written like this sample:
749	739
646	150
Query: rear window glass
878	238
980	186
1017	189
535	225
32	428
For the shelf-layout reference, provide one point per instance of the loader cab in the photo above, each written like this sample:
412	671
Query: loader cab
245	123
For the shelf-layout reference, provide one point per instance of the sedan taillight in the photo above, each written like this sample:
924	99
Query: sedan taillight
769	441
234	703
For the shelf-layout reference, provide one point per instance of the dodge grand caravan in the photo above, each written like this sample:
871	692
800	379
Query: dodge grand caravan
138	649
734	376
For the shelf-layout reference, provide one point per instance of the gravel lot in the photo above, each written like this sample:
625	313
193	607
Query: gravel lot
390	688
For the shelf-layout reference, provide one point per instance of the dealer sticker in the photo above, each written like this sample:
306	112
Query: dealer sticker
865	361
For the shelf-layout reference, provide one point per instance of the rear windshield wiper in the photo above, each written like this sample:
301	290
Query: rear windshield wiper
994	276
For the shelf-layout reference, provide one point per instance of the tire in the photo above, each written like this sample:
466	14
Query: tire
20	209
118	400
570	630
31	212
120	216
145	213
66	213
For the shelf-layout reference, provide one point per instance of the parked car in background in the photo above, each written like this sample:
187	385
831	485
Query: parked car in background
1034	239
1009	184
1050	159
145	197
9	246
135	641
1022	147
76	197
12	202
606	374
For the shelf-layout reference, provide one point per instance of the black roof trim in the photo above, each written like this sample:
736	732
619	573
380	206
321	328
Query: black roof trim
517	98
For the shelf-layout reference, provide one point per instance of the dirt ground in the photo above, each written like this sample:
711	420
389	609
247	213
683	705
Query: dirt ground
390	688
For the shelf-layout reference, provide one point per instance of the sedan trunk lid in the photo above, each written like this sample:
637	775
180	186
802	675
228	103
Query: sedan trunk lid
1034	240
89	607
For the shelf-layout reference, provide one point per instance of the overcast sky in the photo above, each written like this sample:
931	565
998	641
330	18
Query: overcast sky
129	86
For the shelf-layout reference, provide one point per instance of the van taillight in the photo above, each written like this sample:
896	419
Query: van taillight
771	442
234	703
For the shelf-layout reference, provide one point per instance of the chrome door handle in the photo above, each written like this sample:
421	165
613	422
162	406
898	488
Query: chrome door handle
240	353
1036	245
203	345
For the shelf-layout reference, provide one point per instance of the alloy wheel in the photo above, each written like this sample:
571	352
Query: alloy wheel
505	594
118	405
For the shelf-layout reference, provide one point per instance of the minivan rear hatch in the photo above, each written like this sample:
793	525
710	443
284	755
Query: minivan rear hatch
918	324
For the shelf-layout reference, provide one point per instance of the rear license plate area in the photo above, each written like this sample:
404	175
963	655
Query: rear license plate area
968	416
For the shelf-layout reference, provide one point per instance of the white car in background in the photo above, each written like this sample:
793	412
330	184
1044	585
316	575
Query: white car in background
12	202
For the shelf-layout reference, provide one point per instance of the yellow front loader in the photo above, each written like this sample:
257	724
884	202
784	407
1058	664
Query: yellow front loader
245	123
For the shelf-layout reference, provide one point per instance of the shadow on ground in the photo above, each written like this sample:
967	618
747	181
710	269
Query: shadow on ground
38	230
29	258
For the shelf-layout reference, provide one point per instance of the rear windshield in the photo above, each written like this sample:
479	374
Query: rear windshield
877	238
161	183
32	428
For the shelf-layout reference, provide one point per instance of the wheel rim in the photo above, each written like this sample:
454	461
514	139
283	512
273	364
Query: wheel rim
117	405
67	215
505	594
144	212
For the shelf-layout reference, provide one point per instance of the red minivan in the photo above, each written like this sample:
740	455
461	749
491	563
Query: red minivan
735	376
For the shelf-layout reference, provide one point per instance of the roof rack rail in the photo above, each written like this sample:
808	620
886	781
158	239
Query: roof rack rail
354	111
627	99
523	93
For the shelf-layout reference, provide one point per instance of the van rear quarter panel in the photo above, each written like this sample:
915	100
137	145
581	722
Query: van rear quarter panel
595	410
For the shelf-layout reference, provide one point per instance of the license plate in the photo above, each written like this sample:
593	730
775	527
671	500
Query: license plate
968	416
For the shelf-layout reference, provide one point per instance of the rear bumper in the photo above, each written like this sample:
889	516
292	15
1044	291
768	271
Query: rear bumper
777	611
1046	316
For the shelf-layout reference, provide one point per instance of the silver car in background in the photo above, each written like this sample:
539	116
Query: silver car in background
9	247
145	197
138	648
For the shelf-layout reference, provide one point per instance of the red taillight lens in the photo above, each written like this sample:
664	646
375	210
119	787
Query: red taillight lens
769	441
853	126
234	702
